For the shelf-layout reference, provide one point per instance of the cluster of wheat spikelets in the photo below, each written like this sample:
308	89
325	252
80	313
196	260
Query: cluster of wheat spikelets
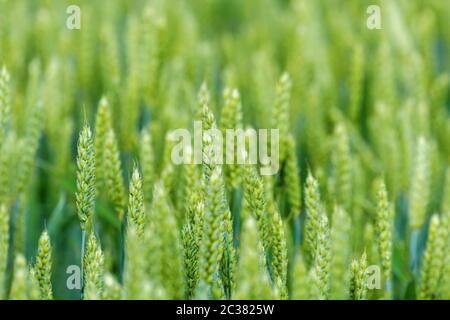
86	176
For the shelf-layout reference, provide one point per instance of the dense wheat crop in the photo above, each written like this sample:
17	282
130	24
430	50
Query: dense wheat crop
93	205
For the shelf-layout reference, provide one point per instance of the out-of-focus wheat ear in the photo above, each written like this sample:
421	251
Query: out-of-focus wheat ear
203	112
19	284
43	267
170	266
102	125
292	178
444	283
31	144
134	266
446	196
252	278
281	118
4	244
112	289
342	167
147	161
356	82
5	103
433	259
420	185
340	252
113	174
384	226
299	279
231	119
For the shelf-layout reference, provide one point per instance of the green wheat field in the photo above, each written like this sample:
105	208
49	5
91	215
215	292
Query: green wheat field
93	207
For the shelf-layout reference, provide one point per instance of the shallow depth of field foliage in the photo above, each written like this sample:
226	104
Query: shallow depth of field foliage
86	177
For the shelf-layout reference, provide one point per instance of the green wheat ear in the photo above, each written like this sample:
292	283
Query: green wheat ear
208	123
43	267
228	261
147	161
113	174
102	125
313	213
384	225
19	285
252	278
420	185
342	166
31	143
112	289
211	249
322	258
85	195
292	177
358	278
281	112
5	103
93	269
444	286
190	259
231	118
340	250
192	231
255	199
433	260
300	279
446	197
279	251
134	271
170	263
4	243
356	82
136	202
